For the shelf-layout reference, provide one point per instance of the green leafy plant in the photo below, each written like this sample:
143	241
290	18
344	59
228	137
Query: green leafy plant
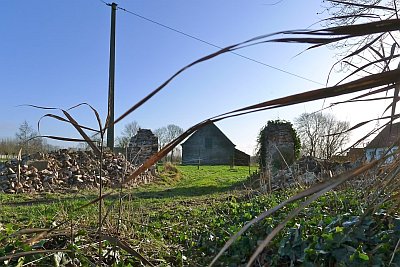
234	223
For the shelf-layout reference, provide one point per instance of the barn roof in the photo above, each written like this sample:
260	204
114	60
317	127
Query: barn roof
218	131
386	137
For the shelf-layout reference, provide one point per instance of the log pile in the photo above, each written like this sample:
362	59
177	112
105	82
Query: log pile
66	170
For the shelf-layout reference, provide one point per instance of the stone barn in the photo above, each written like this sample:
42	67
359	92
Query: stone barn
142	146
278	141
210	146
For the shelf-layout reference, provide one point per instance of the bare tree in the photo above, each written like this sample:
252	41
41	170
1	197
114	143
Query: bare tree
309	130
370	53
167	134
173	131
161	133
127	133
364	54
322	135
335	135
27	138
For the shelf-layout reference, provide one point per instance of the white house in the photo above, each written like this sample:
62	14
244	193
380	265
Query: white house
382	142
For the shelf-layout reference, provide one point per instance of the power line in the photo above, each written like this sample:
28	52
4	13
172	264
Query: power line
216	46
104	2
219	47
274	4
170	28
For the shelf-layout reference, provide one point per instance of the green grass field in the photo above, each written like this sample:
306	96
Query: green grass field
185	218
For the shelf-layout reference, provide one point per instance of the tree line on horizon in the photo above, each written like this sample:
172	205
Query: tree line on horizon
321	135
28	140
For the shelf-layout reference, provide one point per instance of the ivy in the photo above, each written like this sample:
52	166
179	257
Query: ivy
261	148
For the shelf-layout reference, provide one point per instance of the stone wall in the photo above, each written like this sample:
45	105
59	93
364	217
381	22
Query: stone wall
279	144
142	146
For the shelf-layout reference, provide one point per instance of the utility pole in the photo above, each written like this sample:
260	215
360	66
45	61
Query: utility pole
111	75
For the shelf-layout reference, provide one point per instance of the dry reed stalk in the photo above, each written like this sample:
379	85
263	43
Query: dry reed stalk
384	81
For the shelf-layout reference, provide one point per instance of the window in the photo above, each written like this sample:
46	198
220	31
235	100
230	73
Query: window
372	154
208	143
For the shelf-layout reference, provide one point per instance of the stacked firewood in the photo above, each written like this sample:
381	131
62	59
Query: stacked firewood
67	170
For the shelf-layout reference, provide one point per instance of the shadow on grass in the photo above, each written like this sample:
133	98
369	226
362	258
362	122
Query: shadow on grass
184	191
44	200
190	191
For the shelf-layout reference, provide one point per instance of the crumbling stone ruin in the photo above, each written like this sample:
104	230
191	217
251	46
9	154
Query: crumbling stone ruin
278	142
305	171
142	146
279	166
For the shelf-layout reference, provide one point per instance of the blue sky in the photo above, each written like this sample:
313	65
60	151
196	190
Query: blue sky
56	53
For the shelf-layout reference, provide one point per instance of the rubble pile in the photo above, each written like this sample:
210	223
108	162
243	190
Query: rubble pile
306	171
66	170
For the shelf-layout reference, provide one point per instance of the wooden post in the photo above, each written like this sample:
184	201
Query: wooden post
110	128
198	164
19	160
